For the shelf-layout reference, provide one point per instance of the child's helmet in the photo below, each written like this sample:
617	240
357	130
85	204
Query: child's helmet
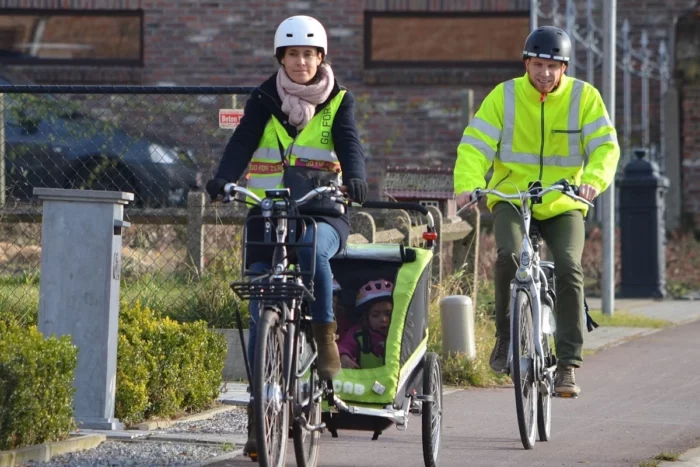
373	291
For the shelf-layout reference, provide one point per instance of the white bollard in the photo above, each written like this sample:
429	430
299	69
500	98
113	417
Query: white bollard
457	321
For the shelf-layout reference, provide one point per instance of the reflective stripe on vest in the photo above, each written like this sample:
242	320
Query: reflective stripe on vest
264	183
506	153
298	152
313	148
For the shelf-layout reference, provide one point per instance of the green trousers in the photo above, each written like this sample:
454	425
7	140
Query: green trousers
564	236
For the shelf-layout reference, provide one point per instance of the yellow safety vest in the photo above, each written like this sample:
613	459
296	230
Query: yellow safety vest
313	148
526	140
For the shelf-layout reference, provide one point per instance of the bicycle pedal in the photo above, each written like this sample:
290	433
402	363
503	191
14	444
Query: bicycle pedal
565	395
253	456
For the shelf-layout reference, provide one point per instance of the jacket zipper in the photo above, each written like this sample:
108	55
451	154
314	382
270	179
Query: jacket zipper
542	99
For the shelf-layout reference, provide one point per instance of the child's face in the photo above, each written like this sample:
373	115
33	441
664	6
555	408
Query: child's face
380	316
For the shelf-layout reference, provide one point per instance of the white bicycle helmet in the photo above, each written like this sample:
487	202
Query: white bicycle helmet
301	31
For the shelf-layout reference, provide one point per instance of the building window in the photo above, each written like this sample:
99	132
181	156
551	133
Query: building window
63	37
445	40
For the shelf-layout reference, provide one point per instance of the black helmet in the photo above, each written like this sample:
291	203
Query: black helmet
548	42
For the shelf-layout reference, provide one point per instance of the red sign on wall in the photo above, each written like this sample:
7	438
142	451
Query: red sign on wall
230	118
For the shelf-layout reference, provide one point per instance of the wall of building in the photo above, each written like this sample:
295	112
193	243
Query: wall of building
408	115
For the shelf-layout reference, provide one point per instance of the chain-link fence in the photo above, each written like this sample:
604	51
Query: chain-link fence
162	144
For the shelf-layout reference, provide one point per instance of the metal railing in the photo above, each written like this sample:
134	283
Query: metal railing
582	20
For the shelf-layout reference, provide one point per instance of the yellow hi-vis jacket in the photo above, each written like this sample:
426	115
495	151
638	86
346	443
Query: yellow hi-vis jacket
528	140
313	148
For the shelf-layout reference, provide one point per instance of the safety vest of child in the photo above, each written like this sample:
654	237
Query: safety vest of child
367	358
312	148
529	137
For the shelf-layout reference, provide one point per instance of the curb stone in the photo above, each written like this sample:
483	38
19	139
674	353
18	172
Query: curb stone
224	457
160	424
44	452
687	459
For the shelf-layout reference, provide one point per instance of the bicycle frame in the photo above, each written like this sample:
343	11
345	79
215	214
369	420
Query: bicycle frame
529	276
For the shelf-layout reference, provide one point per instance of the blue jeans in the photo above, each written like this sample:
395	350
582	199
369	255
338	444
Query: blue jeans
327	245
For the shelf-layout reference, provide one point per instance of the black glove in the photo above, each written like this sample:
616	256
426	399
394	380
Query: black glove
357	190
215	188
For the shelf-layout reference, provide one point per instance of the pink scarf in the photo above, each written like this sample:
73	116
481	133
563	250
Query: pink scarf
299	101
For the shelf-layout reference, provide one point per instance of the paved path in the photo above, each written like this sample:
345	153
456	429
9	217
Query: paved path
640	398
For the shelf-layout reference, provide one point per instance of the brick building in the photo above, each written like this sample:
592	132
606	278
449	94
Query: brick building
408	62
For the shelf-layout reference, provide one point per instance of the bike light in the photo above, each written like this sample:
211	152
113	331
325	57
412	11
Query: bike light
430	236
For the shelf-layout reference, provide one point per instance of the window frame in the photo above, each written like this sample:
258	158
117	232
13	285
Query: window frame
370	64
135	13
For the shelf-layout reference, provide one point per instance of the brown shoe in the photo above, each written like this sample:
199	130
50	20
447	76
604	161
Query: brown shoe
565	382
251	446
328	356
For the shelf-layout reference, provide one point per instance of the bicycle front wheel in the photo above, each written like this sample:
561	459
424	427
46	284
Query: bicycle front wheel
269	393
544	401
523	368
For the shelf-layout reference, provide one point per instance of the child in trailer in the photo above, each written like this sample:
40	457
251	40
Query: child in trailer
363	346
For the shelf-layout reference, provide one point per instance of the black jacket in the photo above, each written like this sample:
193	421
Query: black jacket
264	102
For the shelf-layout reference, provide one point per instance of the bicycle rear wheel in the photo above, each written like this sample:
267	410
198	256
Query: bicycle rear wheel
307	443
269	398
523	368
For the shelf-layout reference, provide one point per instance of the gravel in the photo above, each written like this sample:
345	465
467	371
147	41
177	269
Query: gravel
232	422
139	453
159	453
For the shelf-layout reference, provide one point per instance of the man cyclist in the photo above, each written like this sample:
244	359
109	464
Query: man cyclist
543	126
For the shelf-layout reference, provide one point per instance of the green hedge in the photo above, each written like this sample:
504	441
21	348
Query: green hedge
164	367
36	385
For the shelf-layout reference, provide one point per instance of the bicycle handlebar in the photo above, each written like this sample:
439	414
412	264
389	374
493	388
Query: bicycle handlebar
569	190
231	188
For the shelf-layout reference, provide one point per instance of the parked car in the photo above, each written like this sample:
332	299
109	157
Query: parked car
48	143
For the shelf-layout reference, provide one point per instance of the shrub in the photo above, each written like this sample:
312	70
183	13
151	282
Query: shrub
212	301
36	385
682	263
164	367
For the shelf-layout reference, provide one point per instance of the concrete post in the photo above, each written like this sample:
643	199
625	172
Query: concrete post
401	221
363	223
457	321
79	290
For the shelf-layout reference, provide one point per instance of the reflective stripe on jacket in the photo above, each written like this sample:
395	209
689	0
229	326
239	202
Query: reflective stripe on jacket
569	135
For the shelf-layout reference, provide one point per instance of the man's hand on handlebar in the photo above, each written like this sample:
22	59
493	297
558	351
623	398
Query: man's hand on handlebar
464	198
587	192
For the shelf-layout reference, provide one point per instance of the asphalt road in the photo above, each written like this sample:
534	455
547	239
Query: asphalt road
638	399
